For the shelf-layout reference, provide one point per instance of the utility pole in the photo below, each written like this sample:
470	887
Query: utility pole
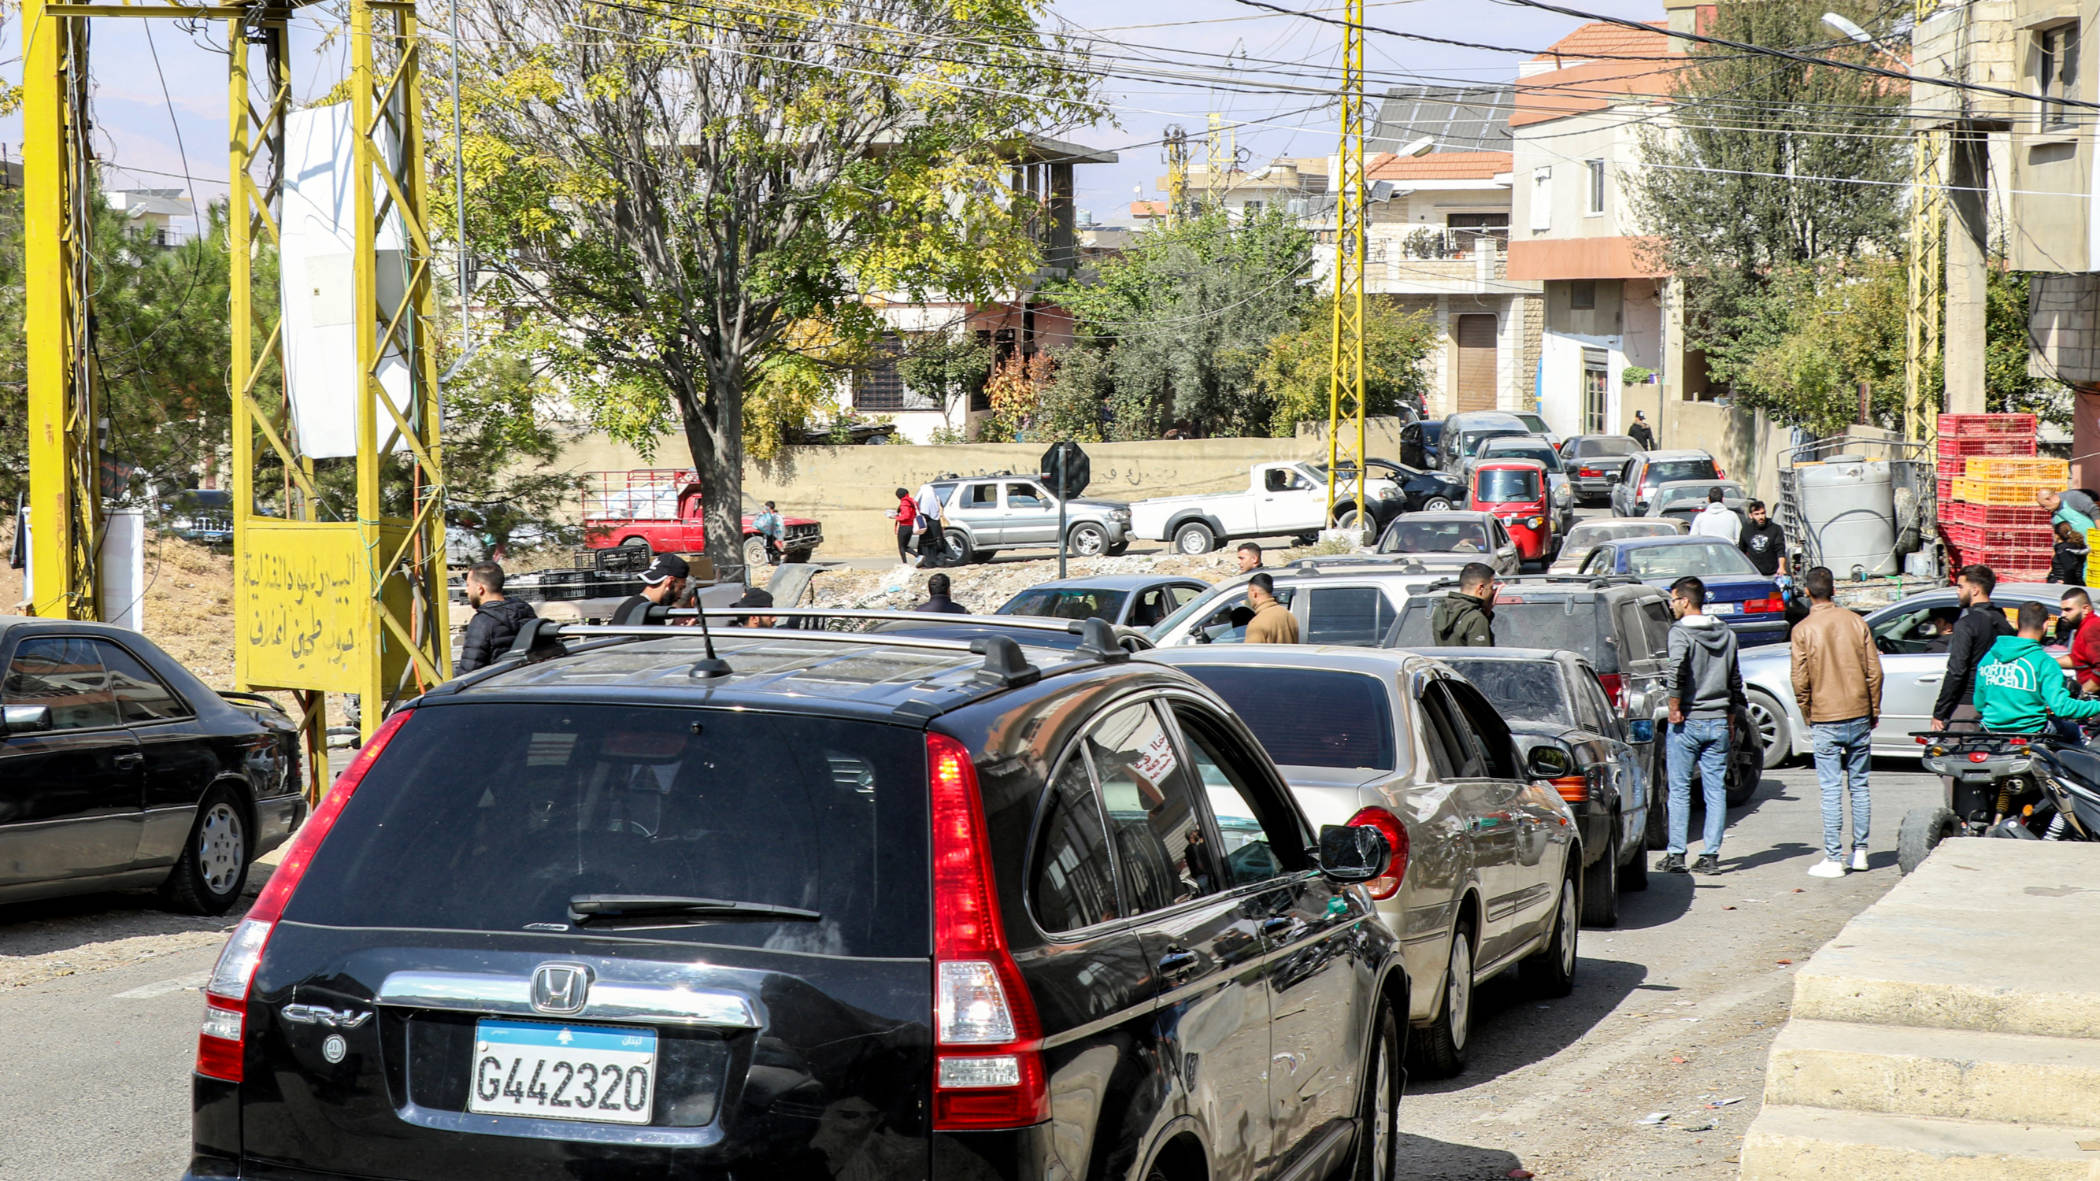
1174	149
1345	381
1926	287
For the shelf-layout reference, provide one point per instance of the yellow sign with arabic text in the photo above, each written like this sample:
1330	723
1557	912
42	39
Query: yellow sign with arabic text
300	594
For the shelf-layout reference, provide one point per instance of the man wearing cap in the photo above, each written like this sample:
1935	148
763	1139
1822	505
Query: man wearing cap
757	597
662	584
1640	433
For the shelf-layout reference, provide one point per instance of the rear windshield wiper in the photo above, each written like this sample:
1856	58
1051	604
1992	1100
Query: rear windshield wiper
585	908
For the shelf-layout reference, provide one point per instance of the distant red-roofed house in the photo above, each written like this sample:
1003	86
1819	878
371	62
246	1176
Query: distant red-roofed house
1575	121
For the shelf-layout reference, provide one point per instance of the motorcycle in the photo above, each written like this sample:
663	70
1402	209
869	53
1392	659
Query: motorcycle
2017	786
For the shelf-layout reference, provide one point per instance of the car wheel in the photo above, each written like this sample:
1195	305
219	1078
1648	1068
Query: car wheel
1436	504
1086	541
1768	718
1600	885
1194	538
1659	797
1119	549
1441	1050
1746	770
1550	971
956	549
1633	875
213	868
1921	832
1378	1116
754	556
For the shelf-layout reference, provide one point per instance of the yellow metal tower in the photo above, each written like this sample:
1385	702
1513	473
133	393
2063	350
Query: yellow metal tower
353	604
1345	384
1174	149
1925	309
1217	158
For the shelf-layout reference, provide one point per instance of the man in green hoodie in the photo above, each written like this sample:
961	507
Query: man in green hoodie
1465	618
2019	685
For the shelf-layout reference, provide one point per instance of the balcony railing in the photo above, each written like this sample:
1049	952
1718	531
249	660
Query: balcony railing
1439	242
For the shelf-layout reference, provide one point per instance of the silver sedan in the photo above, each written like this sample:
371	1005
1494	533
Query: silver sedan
1912	637
1492	877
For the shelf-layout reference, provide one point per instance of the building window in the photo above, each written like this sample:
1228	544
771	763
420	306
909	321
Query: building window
1582	295
1541	200
880	386
1596	170
2056	72
1465	230
1596	389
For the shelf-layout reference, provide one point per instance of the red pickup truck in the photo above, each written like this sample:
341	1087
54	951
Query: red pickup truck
660	509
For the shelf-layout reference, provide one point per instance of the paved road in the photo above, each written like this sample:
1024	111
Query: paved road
99	1008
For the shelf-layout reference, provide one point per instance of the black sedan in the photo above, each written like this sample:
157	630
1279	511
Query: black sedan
1553	698
1420	490
119	769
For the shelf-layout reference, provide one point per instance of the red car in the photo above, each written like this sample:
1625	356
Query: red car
1516	491
660	508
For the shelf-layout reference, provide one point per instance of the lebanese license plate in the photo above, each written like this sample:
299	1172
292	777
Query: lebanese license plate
579	1072
1720	608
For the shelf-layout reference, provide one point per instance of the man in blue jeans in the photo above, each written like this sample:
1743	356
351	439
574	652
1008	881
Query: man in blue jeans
1706	690
1837	682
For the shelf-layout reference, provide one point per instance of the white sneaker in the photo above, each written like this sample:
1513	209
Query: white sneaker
1829	867
1859	859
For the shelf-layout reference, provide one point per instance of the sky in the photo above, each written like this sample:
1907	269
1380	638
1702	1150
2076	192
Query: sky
160	90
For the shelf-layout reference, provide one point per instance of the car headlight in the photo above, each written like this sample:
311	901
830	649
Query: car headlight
1121	514
1388	493
1534	522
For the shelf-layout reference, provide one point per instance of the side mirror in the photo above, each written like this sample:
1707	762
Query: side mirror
25	719
1549	762
1353	853
1641	730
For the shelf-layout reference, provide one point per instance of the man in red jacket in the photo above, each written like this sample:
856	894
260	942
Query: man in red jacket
2084	662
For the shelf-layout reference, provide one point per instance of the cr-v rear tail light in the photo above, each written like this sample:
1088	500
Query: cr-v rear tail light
1614	688
988	1065
226	994
1387	884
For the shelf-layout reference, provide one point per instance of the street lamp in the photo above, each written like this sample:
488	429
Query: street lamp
1848	28
1420	147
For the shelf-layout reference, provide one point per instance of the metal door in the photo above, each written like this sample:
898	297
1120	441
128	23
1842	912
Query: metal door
1476	362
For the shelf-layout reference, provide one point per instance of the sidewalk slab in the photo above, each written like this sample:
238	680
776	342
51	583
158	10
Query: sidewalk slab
1959	1074
1803	1143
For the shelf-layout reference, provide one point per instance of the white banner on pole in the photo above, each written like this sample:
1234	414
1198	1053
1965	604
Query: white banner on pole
317	285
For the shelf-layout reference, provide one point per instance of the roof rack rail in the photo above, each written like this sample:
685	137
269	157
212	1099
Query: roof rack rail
1070	627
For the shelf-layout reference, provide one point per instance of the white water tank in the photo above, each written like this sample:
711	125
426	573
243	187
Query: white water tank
1848	505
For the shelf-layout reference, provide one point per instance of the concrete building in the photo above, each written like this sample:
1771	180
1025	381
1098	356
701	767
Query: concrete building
167	214
1611	313
1021	323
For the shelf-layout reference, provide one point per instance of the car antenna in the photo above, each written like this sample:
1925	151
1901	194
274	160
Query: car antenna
711	666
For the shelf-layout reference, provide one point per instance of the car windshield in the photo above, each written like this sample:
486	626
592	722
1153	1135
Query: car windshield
1535	424
1675	561
1527	621
1434	537
490	818
1333	719
1607	445
1666	470
1527	690
1067	602
1541	452
1498	486
1476	439
1591	534
1695	493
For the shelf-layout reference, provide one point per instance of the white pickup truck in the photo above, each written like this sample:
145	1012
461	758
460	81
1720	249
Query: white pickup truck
1281	498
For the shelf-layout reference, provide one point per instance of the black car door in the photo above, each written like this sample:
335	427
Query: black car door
1319	967
180	762
1202	942
70	795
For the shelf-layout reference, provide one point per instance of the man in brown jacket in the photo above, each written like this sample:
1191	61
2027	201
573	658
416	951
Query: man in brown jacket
1272	622
1837	680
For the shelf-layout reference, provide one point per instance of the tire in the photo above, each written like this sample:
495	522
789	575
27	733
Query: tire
955	548
213	869
1441	1050
1921	832
1378	1113
1550	971
1194	538
1086	541
1658	835
1436	504
1600	885
754	556
1633	876
1768	718
1119	549
1745	774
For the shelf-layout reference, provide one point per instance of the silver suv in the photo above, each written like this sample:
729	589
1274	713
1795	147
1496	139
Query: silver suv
986	514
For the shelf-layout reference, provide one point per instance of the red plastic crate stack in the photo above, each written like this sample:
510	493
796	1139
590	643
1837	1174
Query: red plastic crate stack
2014	541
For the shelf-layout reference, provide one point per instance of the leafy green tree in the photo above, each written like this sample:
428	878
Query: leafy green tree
1185	316
1766	165
948	367
502	443
666	189
1295	373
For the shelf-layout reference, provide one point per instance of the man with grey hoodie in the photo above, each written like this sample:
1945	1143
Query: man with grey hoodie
1706	689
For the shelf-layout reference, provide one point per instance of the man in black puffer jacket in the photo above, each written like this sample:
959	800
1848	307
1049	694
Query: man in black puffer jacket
1465	618
497	620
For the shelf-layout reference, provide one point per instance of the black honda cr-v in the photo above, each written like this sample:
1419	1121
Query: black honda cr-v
849	907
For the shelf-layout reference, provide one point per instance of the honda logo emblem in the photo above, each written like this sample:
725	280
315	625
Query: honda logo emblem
560	988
